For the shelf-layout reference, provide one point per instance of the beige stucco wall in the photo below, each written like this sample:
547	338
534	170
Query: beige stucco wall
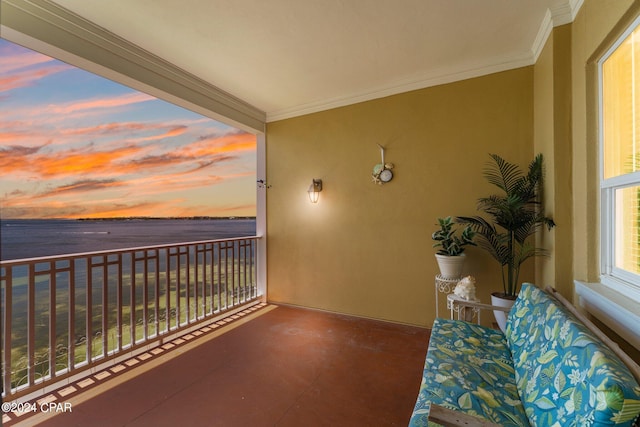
366	249
552	137
543	114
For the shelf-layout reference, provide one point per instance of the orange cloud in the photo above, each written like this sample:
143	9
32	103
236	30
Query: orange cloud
28	132
66	210
11	136
173	132
99	163
16	60
16	158
27	78
126	129
193	157
128	161
229	143
89	185
27	160
107	129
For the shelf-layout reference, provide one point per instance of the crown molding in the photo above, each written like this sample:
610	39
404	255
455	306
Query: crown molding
432	78
47	27
559	15
546	26
575	8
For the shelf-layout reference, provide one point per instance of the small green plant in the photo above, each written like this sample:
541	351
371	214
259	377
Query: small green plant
447	240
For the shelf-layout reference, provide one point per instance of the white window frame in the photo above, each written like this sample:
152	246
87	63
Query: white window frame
623	281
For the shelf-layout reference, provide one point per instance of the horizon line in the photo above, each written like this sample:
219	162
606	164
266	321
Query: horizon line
115	218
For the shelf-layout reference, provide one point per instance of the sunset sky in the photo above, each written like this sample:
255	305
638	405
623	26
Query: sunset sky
75	145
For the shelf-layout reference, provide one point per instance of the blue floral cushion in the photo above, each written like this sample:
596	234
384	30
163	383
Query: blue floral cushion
565	375
469	368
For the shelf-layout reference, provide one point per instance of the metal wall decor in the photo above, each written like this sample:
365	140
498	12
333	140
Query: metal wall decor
382	171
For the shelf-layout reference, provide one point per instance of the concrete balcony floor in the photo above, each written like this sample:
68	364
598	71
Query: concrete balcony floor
271	366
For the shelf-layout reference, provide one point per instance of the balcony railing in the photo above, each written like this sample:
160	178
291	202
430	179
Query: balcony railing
65	314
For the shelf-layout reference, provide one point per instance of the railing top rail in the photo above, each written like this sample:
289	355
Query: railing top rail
8	263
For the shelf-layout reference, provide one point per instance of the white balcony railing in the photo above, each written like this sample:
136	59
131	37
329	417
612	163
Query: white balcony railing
64	314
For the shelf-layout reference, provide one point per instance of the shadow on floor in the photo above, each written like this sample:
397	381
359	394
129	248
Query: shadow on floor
279	366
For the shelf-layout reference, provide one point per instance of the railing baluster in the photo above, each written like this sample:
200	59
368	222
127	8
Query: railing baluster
254	268
251	252
202	282
31	304
211	279
52	319
145	295
188	284
167	261
226	275
156	309
119	302
132	301
229	273
89	311
105	307
71	362
244	271
7	279
222	254
196	300
177	288
219	281
235	255
247	289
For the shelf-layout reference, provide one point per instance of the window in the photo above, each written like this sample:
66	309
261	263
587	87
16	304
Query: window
619	77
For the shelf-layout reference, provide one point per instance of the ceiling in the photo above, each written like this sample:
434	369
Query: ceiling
292	57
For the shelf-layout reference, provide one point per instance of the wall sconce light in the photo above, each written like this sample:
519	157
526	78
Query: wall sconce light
314	190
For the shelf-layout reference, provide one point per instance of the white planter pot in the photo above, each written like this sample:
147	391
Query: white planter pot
500	301
451	266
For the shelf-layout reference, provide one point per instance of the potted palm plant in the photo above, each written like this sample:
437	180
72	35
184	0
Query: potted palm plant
512	218
451	255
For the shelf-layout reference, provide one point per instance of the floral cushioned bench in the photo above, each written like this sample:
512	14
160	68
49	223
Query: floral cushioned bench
548	369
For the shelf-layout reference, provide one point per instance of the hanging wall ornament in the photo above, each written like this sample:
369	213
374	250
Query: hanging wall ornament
382	171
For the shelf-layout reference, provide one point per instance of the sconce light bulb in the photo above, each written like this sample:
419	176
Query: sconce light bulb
314	190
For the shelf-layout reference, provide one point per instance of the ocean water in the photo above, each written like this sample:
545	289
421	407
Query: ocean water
36	238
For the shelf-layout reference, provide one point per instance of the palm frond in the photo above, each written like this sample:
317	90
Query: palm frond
536	169
527	250
501	173
526	229
488	238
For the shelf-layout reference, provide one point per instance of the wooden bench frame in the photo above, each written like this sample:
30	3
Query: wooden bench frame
450	418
